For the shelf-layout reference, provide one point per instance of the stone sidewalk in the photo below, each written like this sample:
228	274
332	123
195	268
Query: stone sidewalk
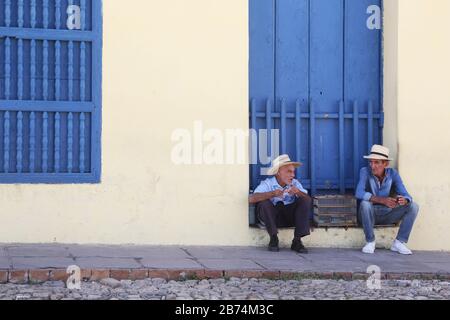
47	262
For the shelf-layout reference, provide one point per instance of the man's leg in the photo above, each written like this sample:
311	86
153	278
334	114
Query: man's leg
267	213
366	213
406	214
302	211
297	215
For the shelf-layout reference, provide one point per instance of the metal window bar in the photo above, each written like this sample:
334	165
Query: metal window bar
344	181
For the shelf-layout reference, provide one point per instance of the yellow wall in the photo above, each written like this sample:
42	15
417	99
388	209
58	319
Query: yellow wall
424	115
166	64
169	63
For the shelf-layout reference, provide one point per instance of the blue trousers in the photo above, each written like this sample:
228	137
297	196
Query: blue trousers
371	215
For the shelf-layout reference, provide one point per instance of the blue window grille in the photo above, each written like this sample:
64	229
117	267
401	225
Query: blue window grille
50	91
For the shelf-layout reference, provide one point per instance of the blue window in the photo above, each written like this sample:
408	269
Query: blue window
50	91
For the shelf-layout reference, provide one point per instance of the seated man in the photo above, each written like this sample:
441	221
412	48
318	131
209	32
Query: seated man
384	200
283	202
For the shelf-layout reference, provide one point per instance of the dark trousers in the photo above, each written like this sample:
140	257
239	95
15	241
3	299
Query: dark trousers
282	216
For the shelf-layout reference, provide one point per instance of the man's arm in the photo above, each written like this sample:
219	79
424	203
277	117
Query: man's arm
259	197
400	188
361	193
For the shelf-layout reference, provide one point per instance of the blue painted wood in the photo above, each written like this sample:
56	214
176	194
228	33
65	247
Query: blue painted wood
7	68
45	143
326	75
19	152
370	126
57	70
20	13
341	149
20	70
297	133
97	28
292	53
363	56
356	159
33	70
50	93
33	13
322	51
6	145
82	141
45	71
83	72
283	127
253	113
83	14
62	178
50	106
312	147
32	142
70	70
7	13
70	143
57	142
262	44
269	126
57	14
62	35
318	115
45	8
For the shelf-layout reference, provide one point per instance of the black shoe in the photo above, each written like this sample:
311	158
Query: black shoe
273	244
298	246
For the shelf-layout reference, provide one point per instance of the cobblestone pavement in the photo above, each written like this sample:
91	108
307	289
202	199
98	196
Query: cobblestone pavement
232	289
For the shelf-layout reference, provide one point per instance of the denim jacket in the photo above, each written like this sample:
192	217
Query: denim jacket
369	185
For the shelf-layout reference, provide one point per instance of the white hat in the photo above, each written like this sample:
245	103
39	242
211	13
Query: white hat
279	162
379	153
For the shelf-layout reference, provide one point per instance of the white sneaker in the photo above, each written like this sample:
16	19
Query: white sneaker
400	247
369	248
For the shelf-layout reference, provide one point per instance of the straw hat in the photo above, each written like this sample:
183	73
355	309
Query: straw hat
279	162
379	153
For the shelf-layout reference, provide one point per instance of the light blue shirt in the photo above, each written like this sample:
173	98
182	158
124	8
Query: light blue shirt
271	184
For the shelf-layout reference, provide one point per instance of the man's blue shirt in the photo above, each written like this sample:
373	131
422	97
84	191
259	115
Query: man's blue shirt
369	185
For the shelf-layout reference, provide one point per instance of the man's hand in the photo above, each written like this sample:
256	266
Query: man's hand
388	202
278	193
402	201
295	191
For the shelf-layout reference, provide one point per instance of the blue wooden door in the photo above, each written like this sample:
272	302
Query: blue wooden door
50	91
316	75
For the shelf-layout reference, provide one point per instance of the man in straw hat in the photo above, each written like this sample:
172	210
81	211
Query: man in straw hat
384	200
283	202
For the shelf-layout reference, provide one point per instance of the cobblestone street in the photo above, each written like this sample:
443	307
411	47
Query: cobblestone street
220	273
232	289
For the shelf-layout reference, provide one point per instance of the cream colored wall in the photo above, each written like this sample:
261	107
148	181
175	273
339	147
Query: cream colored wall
390	77
166	64
170	63
424	115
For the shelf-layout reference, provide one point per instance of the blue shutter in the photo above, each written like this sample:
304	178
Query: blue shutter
316	75
50	91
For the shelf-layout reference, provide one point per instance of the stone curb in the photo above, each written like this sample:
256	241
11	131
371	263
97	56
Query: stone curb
36	276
